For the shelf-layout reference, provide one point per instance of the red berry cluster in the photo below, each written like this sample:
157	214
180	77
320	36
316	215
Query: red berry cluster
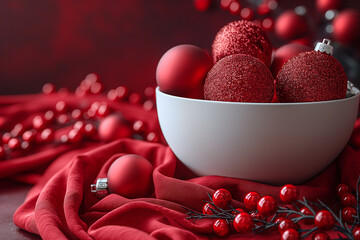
263	213
66	123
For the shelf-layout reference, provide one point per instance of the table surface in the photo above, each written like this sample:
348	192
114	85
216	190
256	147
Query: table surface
12	195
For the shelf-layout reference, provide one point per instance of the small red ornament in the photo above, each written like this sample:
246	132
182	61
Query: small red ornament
75	136
47	135
221	198
63	118
356	233
316	76
49	116
306	211
48	88
114	127
182	70
207	209
320	236
130	176
202	5
6	137
267	24
135	98
17	130
251	200
139	127
38	122
324	220
60	107
289	194
342	189
235	8
25	145
225	4
14	144
348	200
243	223
284	53
80	126
325	5
152	137
348	214
29	136
76	114
246	14
290	25
346	27
89	129
267	206
290	234
285	225
239	78
221	227
242	37
103	110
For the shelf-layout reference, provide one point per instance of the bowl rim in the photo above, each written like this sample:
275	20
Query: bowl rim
355	95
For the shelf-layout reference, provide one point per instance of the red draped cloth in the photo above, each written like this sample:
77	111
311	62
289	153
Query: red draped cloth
61	205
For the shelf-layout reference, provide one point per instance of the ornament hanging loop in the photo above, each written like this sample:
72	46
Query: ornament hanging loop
324	46
100	188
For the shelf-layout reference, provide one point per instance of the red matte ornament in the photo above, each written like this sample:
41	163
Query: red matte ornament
346	27
130	176
239	78
242	37
284	53
182	69
325	5
290	25
114	127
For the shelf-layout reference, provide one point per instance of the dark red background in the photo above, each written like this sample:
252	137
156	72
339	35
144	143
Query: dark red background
61	41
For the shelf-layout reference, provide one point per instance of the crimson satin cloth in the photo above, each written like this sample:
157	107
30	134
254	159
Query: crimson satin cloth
61	206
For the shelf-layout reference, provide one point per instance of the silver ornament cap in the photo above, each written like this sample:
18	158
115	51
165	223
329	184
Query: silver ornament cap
100	188
324	46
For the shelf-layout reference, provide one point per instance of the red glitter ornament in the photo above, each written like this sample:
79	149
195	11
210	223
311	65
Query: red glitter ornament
310	77
346	27
242	37
182	70
290	25
114	127
130	176
325	5
239	78
284	53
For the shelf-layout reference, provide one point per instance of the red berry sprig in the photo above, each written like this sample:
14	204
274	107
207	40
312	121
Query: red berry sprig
265	213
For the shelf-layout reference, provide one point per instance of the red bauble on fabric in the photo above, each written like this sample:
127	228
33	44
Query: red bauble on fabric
346	27
182	69
284	53
239	78
130	176
290	25
310	77
114	127
242	37
325	5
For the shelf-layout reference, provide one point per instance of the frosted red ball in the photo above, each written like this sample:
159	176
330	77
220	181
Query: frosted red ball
284	53
130	176
346	27
242	37
290	25
181	71
239	78
310	77
114	127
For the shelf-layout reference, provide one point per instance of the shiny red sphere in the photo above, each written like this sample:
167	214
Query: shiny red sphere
208	209
285	225
290	234
320	236
306	211
267	206
284	53
14	143
221	227
38	122
89	129
202	5
289	194
324	220
75	136
130	176
76	114
251	200
348	200
60	106
221	198
47	135
182	70
49	116
325	5
243	223
342	189
139	126
103	110
290	25
114	127
356	233
346	27
6	137
347	214
152	137
135	98
48	88
234	8
29	136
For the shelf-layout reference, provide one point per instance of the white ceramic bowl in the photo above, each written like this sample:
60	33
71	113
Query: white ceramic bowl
274	143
